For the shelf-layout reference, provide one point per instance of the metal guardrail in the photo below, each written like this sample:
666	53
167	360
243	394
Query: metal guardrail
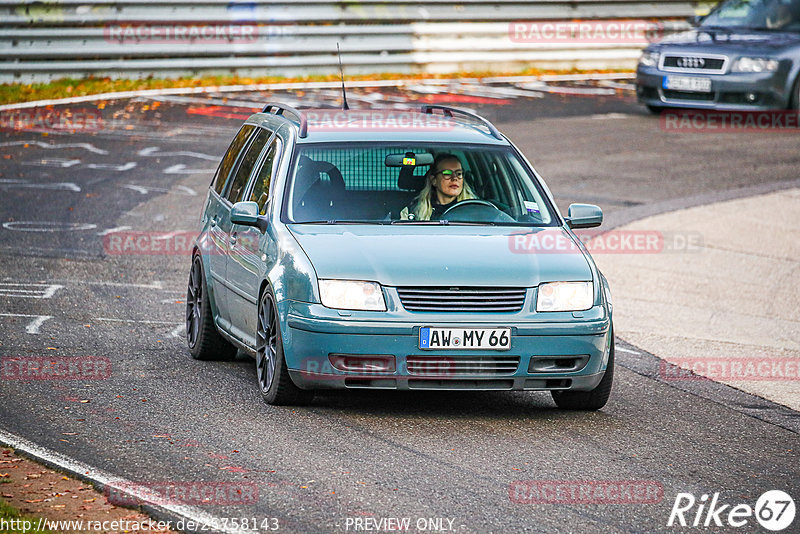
139	38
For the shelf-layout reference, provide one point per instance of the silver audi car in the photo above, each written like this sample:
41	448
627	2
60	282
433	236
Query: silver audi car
743	55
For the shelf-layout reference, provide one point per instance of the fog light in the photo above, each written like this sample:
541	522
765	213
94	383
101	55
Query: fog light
751	97
363	363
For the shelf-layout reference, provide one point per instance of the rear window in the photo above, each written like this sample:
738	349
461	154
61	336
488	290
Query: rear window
364	169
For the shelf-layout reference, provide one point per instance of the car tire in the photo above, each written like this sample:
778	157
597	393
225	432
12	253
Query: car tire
274	382
205	342
795	100
655	110
593	399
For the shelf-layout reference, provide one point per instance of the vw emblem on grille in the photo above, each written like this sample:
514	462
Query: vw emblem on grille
691	62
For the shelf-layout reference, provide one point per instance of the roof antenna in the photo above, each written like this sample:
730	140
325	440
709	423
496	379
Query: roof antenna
341	73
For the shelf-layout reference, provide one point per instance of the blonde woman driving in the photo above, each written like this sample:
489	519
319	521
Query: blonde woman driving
444	186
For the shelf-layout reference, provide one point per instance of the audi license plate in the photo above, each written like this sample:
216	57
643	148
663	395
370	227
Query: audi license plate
687	83
464	338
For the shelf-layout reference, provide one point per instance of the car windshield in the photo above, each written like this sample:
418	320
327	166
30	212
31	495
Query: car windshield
399	184
781	15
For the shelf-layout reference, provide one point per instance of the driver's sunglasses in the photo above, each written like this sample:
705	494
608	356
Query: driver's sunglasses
453	176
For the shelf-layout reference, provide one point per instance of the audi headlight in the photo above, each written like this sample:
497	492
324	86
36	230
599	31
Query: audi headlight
564	296
755	64
351	295
649	59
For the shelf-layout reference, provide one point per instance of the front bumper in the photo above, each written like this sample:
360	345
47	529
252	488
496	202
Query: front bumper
732	91
565	353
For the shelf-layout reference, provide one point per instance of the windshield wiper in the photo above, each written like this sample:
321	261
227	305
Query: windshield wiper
342	221
415	221
446	222
472	223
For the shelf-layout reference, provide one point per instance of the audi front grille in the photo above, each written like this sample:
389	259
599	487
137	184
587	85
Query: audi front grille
701	63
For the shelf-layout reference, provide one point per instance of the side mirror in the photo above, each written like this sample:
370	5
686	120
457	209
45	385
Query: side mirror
584	216
695	20
246	214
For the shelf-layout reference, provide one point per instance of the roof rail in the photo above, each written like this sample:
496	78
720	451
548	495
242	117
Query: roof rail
280	108
448	112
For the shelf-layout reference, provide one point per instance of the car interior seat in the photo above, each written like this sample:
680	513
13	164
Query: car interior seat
319	191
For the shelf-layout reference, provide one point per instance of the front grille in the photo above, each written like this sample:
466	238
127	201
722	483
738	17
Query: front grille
446	366
464	299
461	384
688	63
688	95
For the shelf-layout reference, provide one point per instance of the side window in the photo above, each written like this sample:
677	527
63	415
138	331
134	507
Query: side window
264	179
239	182
225	166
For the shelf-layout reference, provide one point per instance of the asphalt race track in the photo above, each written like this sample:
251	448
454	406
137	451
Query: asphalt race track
143	165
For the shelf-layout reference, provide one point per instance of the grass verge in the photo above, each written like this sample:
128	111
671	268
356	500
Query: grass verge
13	522
63	88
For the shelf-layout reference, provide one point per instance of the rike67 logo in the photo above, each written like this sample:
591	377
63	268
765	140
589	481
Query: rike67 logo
774	510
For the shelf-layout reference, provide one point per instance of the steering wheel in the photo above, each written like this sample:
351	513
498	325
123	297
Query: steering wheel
476	210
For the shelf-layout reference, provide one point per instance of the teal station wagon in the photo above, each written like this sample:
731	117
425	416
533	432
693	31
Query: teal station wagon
396	250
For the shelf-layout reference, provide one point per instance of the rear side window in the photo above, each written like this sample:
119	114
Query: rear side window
248	161
225	166
261	188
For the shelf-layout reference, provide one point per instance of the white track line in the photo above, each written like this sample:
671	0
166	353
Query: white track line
42	291
629	351
178	332
113	230
33	326
207	522
143	321
155	284
63	186
87	146
155	152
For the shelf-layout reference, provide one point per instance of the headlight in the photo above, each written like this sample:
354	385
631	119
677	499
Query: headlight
351	295
649	59
755	64
564	296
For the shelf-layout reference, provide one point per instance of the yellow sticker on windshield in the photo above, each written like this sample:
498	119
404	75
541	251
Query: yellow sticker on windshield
409	161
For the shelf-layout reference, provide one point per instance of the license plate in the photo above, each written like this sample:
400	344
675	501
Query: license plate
687	83
464	338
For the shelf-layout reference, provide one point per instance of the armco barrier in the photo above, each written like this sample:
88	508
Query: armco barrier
139	38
